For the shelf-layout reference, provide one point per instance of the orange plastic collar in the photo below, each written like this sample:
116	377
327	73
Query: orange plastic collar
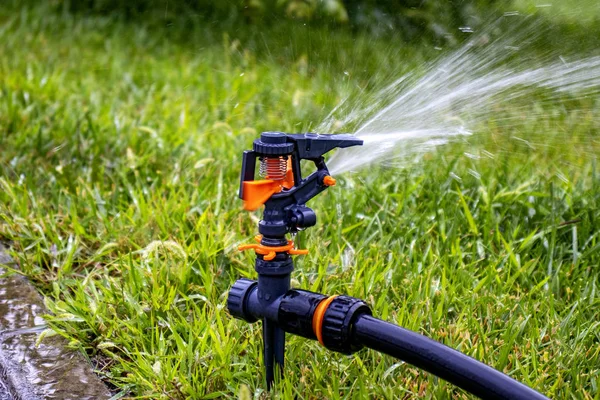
317	322
269	252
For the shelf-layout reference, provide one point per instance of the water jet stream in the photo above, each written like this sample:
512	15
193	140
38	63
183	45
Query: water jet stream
455	93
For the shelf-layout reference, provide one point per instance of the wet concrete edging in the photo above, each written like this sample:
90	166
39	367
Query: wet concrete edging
48	370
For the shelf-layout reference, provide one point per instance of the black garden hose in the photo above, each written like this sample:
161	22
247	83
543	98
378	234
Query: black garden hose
440	360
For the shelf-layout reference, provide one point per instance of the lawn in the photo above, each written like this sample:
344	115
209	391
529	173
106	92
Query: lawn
120	149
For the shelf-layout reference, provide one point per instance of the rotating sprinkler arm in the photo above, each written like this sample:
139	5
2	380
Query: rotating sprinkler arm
340	323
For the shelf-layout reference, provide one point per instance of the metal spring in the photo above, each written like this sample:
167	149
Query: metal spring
273	167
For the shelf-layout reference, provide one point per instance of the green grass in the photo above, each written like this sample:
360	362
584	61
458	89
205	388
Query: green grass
119	158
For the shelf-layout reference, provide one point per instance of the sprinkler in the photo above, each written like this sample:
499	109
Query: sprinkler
340	323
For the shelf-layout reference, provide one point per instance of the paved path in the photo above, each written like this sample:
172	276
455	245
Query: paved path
46	371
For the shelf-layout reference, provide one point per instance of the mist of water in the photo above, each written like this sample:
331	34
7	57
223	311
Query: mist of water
456	93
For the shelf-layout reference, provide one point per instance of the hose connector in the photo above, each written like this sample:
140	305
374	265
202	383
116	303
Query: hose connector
328	319
333	322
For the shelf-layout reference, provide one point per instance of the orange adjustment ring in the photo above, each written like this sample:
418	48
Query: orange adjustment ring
318	316
269	252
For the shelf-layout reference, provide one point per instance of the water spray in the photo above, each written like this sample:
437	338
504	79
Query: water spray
340	323
458	94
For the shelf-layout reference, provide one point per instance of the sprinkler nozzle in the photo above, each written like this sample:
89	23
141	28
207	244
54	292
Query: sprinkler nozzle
329	180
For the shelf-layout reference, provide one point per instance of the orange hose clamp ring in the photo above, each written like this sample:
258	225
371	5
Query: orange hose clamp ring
317	322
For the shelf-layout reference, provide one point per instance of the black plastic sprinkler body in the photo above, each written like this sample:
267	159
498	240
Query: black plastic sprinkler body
284	194
340	323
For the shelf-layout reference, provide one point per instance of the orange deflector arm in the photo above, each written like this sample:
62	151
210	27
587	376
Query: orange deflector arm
256	193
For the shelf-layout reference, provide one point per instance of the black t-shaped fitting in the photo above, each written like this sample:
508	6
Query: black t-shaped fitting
297	313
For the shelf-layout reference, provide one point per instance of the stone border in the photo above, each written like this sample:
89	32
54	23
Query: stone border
48	370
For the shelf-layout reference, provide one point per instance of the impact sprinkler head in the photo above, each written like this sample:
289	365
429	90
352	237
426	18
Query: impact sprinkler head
283	186
279	155
283	190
